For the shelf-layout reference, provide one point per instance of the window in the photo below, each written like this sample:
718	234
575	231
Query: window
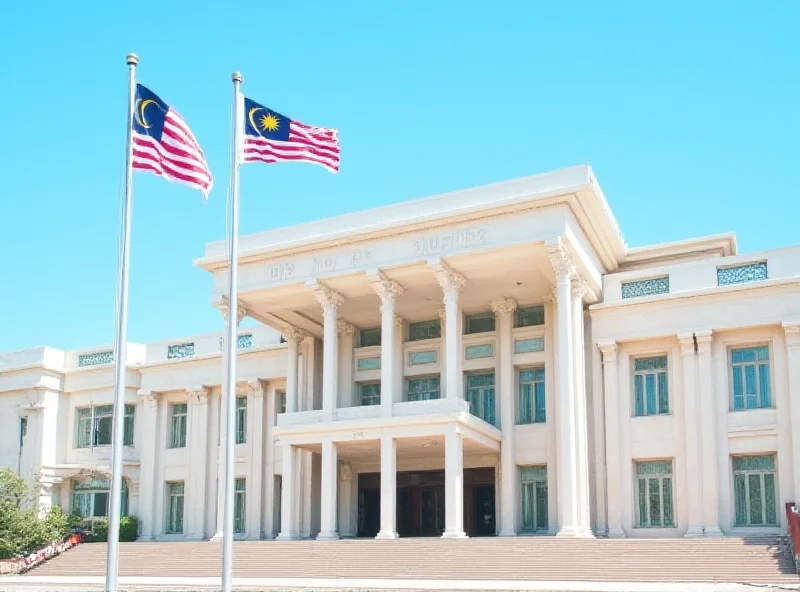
648	287
754	490
750	378
23	430
177	437
529	317
175	508
369	337
739	274
282	402
370	394
424	330
239	505
423	389
654	494
241	420
95	425
479	323
90	499
480	395
531	396
650	387
533	498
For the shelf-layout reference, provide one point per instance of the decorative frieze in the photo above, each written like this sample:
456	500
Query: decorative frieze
244	341
646	287
180	350
96	358
751	272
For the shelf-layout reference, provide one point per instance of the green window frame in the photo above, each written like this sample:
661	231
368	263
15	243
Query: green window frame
423	389
650	386
241	420
239	505
533	498
175	508
755	491
483	322
369	337
531	406
90	499
532	316
178	417
480	395
750	378
653	494
424	330
369	394
129	423
281	395
94	426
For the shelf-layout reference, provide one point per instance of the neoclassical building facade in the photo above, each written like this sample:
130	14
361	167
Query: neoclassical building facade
494	361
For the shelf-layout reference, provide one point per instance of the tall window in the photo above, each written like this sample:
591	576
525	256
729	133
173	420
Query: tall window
23	430
370	394
654	494
650	387
369	337
175	507
754	490
479	323
241	420
480	394
533	498
177	433
423	389
94	425
239	505
424	330
90	499
750	377
529	317
281	401
531	396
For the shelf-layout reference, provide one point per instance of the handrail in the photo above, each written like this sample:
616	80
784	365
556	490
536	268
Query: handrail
793	520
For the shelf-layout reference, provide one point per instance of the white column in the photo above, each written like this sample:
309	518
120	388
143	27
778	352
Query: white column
613	445
288	493
268	515
345	364
399	366
329	487
293	338
149	442
442	350
345	501
708	435
453	485
565	397
579	290
451	283
198	457
330	302
694	488
388	488
387	291
255	448
792	331
504	379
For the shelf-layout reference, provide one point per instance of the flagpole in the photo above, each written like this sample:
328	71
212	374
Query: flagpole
112	557
230	371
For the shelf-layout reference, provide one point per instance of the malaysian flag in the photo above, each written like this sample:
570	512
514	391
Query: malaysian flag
164	144
271	137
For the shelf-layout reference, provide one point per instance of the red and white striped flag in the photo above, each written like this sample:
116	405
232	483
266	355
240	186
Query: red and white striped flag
163	143
271	137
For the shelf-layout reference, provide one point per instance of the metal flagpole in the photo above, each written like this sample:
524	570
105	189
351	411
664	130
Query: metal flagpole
230	371
112	557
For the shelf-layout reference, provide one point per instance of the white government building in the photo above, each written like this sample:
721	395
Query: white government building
494	361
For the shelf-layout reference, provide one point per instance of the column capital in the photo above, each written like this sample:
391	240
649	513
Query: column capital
704	339
580	289
442	315
609	350
792	331
398	321
385	288
344	327
255	388
686	341
222	306
503	306
450	281
293	333
346	472
328	299
198	394
561	260
149	398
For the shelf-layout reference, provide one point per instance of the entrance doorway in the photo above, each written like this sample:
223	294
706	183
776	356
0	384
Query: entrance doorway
421	503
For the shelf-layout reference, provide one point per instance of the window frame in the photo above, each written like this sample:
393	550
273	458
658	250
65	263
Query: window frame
482	391
107	416
241	420
431	322
647	478
655	372
533	484
522	310
368	331
438	390
240	505
370	383
761	474
169	527
173	416
480	316
757	364
535	416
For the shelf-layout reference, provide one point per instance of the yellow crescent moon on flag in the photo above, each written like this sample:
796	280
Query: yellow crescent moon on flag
140	113
250	115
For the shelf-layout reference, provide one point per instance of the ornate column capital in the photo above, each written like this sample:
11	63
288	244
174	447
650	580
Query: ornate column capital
344	327
222	306
503	306
345	472
450	281
792	331
255	388
398	321
149	398
293	333
198	394
561	260
328	299
609	350
580	289
385	288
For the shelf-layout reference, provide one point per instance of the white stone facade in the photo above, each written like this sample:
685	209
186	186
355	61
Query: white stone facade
493	361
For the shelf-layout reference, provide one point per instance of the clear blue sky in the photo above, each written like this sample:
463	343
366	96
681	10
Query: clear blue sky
689	113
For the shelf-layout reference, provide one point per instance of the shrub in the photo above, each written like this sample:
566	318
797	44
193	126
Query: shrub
128	529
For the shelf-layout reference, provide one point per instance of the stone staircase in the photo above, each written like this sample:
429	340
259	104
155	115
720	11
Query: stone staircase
733	560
